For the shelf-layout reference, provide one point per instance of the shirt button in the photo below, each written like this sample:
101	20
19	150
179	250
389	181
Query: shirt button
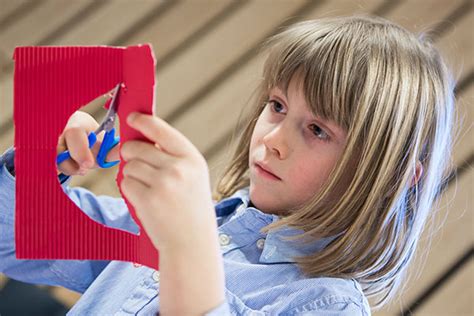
156	276
260	243
224	239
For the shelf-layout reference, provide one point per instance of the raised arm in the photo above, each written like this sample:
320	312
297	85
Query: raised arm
76	275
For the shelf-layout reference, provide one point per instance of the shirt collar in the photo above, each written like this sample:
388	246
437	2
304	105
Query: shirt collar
276	249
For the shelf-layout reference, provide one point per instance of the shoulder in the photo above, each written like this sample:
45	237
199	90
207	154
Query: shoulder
308	296
327	295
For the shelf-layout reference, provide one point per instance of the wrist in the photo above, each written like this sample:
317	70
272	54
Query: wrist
203	231
196	274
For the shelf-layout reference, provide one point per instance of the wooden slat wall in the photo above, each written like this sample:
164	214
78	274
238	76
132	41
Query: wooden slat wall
207	69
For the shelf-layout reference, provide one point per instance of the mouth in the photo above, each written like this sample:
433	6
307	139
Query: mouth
263	171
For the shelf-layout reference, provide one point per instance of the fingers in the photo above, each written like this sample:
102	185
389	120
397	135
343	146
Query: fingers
78	145
140	171
75	140
133	190
146	152
160	132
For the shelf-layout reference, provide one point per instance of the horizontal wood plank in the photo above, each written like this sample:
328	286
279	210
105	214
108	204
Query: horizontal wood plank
455	297
112	19
422	16
180	26
39	23
9	7
457	46
207	71
450	242
105	18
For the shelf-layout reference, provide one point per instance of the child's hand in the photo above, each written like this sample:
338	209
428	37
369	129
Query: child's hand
167	182
74	139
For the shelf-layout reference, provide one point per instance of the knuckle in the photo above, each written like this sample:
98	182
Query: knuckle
153	199
131	167
127	185
126	150
129	148
166	185
124	182
67	133
201	160
199	163
71	130
134	164
176	171
68	168
127	168
141	150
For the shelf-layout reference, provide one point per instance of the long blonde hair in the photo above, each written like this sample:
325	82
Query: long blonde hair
394	95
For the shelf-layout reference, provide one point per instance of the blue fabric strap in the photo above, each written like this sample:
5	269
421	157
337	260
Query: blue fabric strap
8	159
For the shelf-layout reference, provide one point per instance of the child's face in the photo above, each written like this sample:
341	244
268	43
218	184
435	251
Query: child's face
296	146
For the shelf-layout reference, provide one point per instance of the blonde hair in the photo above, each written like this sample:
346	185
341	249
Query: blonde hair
394	95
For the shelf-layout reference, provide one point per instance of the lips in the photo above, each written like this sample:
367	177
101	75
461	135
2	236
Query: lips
267	169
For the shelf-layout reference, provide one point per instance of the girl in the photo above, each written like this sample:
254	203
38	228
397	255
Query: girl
320	209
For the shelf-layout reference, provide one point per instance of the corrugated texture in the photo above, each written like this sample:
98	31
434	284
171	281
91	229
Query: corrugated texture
182	30
51	83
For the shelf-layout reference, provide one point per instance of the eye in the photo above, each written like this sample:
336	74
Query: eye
275	106
317	131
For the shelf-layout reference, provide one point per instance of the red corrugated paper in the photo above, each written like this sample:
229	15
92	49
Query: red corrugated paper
50	84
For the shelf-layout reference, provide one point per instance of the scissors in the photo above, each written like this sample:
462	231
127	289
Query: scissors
108	142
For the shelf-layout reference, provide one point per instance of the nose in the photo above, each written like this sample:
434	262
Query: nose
276	141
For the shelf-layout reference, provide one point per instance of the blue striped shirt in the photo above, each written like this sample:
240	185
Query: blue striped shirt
261	276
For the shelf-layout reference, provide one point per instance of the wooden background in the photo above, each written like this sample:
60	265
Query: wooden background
207	68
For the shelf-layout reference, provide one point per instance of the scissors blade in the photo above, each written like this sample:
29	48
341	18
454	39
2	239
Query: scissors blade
109	121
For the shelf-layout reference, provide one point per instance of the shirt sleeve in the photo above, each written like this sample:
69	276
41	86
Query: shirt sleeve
341	308
75	275
222	309
310	302
305	302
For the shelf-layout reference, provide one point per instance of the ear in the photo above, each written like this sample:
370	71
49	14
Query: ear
418	173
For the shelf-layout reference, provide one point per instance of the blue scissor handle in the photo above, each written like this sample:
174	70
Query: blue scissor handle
108	142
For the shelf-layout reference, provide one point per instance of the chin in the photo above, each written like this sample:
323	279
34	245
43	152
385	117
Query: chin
261	200
267	203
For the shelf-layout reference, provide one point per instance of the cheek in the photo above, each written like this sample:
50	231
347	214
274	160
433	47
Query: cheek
306	175
308	179
256	135
253	140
